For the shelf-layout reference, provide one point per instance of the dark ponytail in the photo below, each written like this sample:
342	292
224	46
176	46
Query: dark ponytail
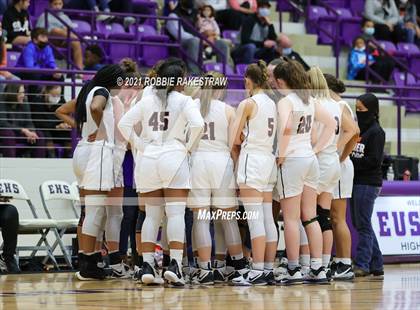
334	84
171	68
106	77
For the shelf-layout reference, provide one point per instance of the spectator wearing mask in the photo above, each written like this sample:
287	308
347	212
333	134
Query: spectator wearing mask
57	28
9	225
367	159
208	27
189	41
55	131
384	14
94	57
4	75
37	54
286	50
358	59
408	20
258	39
16	125
16	23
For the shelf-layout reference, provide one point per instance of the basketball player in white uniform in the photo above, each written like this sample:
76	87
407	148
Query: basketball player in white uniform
341	267
328	159
298	167
93	164
213	183
254	131
162	171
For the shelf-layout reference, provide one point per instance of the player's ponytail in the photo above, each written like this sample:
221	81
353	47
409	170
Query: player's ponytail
109	77
319	86
208	92
171	68
294	75
335	84
258	74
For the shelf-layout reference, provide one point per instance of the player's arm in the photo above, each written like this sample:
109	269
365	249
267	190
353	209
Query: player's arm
97	108
243	113
328	132
195	123
65	111
230	116
349	134
285	110
127	124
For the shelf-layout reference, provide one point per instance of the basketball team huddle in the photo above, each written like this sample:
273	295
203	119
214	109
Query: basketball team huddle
283	152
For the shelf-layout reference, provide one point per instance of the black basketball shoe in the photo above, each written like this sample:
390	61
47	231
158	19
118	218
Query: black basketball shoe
150	274
89	269
173	274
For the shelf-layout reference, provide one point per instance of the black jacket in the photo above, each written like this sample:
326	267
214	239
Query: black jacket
295	56
368	155
16	23
247	28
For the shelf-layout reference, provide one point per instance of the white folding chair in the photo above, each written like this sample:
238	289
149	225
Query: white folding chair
66	219
35	225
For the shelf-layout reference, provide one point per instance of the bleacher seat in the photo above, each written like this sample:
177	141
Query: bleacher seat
357	7
231	35
143	30
217	66
407	49
388	46
284	6
12	58
154	52
241	68
401	79
313	14
82	27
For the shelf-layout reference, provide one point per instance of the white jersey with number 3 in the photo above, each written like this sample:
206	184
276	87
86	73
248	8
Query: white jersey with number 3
216	128
260	130
335	110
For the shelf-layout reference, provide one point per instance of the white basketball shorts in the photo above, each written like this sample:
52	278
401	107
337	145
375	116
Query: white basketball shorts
212	180
329	172
257	170
295	173
344	186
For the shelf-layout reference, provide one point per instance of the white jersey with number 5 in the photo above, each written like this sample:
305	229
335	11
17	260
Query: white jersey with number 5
299	126
260	130
216	129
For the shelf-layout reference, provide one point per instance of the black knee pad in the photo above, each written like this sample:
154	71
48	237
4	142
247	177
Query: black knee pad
82	215
140	220
306	223
324	218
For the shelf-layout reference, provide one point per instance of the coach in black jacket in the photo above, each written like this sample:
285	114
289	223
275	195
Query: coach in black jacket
367	159
258	39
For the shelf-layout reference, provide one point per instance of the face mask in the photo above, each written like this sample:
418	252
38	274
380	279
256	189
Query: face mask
360	49
53	99
42	45
264	12
365	120
287	51
403	1
370	31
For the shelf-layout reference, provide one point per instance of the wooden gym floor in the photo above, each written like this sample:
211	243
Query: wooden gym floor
399	290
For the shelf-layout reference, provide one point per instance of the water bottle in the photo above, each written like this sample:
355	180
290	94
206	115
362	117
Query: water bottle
390	174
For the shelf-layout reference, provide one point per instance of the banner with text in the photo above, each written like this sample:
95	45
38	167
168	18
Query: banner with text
396	222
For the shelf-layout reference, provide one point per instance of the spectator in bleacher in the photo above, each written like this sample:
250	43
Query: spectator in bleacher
258	39
55	131
94	57
16	125
4	75
358	61
208	27
384	14
286	50
91	5
408	20
126	6
37	54
189	41
233	16
16	22
57	28
9	225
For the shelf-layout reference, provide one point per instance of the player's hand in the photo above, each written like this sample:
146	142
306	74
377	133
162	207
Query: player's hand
63	126
269	43
30	135
280	160
92	137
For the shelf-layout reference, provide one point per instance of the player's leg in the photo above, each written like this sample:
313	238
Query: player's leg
271	237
